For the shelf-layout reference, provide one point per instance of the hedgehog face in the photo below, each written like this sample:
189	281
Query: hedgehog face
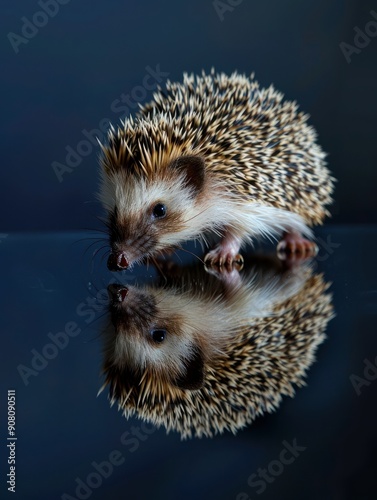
150	214
150	335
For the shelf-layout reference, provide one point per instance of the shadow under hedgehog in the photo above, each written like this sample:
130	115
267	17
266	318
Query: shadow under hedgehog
214	154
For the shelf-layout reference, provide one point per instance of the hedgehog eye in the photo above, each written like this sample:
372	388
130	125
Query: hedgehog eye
158	335
159	211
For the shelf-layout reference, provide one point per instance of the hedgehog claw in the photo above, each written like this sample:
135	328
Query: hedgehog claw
223	261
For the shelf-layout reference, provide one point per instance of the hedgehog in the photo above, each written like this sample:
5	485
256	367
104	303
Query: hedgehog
210	358
215	155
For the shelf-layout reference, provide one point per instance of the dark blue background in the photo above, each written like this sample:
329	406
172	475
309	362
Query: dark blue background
67	76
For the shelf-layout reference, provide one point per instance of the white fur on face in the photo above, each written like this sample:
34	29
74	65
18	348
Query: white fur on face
194	322
181	315
134	197
216	210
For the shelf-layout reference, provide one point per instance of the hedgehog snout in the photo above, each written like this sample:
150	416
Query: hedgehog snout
117	261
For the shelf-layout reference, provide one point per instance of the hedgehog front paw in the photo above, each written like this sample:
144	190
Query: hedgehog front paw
223	259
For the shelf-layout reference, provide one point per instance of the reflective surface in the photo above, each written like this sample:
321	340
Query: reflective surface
319	444
202	351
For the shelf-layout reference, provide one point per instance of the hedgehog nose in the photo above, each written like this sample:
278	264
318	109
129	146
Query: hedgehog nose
117	262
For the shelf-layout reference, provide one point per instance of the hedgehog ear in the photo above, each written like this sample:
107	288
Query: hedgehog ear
194	169
193	377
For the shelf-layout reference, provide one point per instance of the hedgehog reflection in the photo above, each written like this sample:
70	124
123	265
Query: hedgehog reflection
201	354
